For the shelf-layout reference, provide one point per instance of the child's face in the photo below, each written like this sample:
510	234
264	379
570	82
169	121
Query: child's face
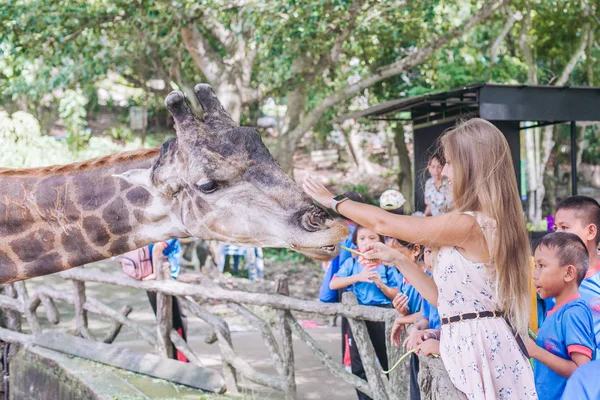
434	167
364	237
427	257
567	221
549	277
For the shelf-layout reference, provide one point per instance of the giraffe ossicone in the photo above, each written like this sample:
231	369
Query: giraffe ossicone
215	180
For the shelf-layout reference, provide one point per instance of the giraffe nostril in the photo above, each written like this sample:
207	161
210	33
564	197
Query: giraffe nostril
314	220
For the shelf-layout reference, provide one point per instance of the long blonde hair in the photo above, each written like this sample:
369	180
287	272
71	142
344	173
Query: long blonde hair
484	181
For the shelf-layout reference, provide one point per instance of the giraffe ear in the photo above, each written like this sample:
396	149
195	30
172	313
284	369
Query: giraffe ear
138	177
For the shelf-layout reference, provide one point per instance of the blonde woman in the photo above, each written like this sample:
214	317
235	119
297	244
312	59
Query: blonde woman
481	273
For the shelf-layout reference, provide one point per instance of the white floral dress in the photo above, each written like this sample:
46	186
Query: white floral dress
481	356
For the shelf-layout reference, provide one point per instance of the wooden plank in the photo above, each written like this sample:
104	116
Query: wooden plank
141	363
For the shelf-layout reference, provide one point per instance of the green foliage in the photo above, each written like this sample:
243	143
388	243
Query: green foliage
591	152
285	256
24	146
71	108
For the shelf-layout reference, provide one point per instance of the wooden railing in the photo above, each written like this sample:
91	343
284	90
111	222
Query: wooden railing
17	303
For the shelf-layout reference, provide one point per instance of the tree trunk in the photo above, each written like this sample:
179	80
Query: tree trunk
405	182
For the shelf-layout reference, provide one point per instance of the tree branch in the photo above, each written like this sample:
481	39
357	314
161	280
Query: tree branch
393	69
564	76
496	45
204	56
525	48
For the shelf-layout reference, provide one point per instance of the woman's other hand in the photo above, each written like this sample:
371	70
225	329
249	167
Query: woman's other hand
317	191
383	253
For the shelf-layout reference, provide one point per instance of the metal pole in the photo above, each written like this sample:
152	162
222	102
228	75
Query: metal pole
573	159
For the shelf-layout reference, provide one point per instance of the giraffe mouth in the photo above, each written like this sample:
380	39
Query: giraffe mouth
323	253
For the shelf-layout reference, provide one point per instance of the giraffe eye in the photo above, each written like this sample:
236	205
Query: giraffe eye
208	187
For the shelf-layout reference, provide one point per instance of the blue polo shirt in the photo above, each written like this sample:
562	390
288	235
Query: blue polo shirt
172	252
431	314
590	292
367	293
414	297
567	329
584	383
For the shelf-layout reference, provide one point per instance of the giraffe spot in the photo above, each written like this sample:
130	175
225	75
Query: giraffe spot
33	246
124	185
116	216
85	254
73	241
48	264
119	246
15	215
138	196
93	191
95	230
8	269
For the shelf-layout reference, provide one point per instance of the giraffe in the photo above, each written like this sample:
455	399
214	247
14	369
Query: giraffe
214	180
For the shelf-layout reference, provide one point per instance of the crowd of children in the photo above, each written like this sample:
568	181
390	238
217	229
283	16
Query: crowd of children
463	283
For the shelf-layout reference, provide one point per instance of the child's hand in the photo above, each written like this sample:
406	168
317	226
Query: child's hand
429	347
397	329
150	277
531	347
414	339
365	262
367	275
400	303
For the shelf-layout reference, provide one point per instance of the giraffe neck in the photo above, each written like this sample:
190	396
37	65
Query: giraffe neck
53	219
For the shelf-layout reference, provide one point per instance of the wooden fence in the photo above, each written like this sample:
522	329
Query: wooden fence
17	303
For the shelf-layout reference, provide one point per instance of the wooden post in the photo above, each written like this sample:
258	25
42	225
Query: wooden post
282	287
366	351
399	383
164	313
111	335
31	317
81	320
13	318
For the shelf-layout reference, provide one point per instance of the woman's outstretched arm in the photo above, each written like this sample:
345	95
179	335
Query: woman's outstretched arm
458	230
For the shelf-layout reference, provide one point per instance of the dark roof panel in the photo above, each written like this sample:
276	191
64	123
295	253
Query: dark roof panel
496	102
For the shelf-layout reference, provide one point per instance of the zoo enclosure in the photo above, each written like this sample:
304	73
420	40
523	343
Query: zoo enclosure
17	303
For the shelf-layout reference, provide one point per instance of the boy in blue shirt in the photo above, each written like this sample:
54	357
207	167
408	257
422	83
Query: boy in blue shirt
566	340
373	285
581	215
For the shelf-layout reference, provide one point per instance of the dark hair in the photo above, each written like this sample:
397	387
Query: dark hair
587	210
410	246
569	249
438	154
355	234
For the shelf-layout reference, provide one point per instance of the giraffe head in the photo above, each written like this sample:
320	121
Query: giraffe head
220	182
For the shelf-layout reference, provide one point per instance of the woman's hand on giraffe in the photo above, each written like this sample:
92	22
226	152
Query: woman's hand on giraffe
317	191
